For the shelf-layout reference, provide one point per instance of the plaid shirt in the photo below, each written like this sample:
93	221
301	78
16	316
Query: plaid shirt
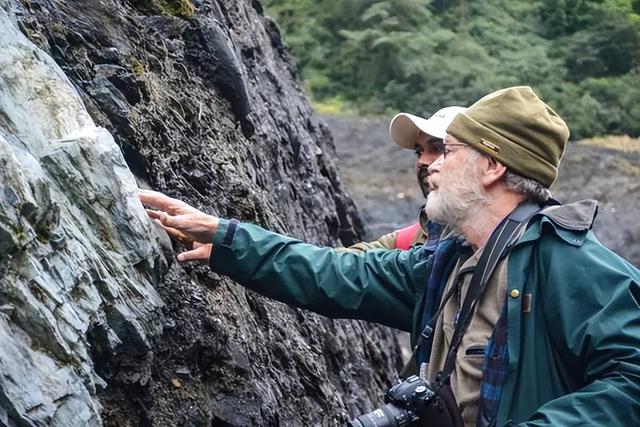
494	369
445	254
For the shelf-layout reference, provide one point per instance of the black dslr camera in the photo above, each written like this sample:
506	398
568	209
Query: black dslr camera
409	403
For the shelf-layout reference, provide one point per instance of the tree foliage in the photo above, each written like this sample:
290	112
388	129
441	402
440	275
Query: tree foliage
583	56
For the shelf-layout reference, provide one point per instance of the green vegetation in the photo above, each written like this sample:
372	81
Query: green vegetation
136	66
381	57
620	143
181	8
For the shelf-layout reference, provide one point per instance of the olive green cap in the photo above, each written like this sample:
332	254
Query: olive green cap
517	129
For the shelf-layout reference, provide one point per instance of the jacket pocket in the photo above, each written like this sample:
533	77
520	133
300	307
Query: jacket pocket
475	350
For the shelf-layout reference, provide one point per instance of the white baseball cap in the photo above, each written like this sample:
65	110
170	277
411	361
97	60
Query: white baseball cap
404	127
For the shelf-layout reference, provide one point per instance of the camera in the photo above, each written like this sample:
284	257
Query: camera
407	404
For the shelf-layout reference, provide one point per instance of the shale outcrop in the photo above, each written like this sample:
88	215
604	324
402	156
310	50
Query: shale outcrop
98	324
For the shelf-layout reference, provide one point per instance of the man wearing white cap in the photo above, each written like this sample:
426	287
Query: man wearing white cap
425	137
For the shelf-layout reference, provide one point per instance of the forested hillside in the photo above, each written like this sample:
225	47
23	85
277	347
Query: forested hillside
382	56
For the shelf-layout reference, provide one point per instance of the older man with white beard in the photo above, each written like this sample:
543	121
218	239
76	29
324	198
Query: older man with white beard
523	315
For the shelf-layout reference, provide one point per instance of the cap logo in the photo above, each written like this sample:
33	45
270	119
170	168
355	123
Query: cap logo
490	145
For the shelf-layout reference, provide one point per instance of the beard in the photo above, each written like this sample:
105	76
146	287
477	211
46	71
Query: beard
457	195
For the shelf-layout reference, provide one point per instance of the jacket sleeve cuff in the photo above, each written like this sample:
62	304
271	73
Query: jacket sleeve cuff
224	235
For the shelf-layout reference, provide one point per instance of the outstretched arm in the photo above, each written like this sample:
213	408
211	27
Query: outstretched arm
380	286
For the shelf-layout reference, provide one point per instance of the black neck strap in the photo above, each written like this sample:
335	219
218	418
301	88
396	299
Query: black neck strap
496	248
426	335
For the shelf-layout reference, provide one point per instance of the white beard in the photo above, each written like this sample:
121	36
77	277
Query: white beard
458	196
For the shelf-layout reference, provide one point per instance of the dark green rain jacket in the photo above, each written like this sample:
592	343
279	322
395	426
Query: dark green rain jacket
574	352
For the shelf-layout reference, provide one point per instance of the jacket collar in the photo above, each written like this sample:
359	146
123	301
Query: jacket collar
570	222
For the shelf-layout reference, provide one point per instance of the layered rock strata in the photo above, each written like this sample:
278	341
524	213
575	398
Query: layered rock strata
98	324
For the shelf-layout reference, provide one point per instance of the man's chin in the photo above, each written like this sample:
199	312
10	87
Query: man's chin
425	190
422	182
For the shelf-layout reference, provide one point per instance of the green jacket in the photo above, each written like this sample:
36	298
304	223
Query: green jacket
574	348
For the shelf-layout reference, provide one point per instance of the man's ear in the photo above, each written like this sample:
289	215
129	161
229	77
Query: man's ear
492	171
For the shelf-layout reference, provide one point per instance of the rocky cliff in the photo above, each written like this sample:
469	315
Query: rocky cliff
98	324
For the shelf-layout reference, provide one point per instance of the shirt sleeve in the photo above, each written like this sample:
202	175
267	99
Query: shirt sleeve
378	285
386	241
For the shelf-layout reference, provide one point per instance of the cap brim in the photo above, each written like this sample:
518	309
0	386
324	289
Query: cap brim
404	130
404	127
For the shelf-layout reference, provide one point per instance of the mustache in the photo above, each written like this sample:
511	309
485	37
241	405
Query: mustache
432	182
423	173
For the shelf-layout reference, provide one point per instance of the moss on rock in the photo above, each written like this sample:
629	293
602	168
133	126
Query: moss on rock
181	8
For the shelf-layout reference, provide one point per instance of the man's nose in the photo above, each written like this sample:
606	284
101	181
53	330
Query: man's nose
425	159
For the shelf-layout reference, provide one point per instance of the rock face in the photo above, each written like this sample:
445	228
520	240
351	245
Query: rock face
98	325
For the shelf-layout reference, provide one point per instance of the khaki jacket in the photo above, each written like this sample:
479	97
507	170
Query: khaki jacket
388	241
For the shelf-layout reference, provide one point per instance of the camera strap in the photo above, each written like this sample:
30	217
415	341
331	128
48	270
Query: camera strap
517	217
497	247
426	336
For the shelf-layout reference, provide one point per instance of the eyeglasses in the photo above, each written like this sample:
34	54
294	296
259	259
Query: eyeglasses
446	151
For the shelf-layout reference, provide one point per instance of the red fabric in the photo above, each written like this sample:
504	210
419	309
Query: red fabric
405	236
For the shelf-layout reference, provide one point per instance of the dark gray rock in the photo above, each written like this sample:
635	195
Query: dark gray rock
95	326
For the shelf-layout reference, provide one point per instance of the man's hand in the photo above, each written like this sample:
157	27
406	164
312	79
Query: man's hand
182	222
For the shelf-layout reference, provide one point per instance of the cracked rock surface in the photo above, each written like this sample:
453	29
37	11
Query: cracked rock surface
98	325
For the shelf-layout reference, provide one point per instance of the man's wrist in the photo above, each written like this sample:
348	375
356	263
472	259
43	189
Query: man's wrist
223	235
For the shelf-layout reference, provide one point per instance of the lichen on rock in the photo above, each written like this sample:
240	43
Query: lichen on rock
182	8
